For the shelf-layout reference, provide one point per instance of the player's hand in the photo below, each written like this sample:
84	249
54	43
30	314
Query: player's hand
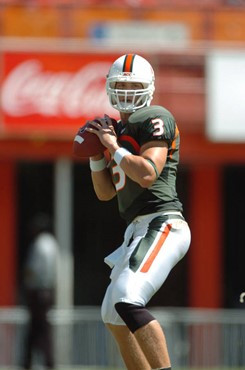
104	129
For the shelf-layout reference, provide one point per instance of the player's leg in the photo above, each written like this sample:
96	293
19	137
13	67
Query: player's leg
149	265
130	350
152	342
137	277
141	343
147	332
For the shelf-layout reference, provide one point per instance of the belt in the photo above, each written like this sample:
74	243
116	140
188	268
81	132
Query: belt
164	215
172	216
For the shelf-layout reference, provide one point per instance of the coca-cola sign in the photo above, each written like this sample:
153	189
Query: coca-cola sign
50	91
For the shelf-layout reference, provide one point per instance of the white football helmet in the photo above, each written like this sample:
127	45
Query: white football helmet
130	68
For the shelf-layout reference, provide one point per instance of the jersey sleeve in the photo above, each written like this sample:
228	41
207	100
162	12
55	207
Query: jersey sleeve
160	127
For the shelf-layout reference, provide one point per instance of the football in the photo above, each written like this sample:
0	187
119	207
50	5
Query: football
86	144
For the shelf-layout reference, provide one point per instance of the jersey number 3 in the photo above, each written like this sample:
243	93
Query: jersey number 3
158	126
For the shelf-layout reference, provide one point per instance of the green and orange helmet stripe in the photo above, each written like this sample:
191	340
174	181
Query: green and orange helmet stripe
128	63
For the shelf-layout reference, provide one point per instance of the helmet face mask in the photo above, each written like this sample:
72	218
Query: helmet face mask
137	72
128	100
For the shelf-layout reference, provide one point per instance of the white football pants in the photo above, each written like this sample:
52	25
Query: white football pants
152	246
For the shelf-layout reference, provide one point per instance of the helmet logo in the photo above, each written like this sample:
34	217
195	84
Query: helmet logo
126	74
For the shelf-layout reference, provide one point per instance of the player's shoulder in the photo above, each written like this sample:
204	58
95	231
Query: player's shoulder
152	123
148	113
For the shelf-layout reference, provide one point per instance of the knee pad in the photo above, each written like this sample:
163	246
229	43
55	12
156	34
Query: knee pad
134	316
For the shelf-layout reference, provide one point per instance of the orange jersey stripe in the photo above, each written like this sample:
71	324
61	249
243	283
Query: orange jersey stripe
174	142
157	248
128	63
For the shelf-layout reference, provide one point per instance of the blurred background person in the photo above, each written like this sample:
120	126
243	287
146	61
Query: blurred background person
40	271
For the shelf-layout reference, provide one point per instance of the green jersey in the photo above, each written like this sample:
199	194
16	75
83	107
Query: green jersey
152	123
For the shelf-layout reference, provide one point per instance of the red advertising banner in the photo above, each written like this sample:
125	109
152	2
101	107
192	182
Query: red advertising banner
53	93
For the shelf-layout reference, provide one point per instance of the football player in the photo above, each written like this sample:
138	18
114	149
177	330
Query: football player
144	151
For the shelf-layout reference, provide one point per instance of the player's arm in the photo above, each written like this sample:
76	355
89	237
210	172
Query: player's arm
145	168
102	182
